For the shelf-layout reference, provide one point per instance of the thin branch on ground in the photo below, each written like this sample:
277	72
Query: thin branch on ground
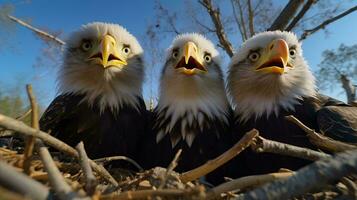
264	145
36	30
246	182
286	15
216	19
301	14
106	160
170	168
314	176
20	127
211	165
319	140
91	181
30	140
18	182
327	22
148	194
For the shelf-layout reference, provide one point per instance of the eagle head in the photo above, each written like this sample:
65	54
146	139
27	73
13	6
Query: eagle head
103	62
268	73
191	88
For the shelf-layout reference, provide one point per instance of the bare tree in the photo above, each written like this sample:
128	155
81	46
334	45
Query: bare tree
339	65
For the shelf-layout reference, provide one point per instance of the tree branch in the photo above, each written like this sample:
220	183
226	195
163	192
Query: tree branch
216	19
246	182
264	145
238	21
301	14
112	158
313	176
251	18
15	181
325	23
91	181
36	30
22	128
211	165
286	14
242	21
319	140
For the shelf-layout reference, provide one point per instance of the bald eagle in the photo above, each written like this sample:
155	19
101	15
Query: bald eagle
270	79
193	110
100	86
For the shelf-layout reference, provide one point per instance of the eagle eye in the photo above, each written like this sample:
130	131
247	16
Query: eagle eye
126	50
207	58
86	45
254	56
292	52
175	54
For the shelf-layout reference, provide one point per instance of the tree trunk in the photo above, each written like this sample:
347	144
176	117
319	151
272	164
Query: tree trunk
349	88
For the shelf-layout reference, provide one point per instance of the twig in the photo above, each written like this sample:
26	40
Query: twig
170	168
320	140
264	145
351	186
327	22
20	127
245	182
148	194
91	181
316	175
211	165
113	158
251	18
301	14
216	19
15	181
286	14
30	140
236	18
61	188
36	30
242	21
24	115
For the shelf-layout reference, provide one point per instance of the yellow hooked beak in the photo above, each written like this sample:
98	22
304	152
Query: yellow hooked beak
190	63
274	58
106	54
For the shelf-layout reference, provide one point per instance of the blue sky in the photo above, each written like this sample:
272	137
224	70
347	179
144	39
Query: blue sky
18	57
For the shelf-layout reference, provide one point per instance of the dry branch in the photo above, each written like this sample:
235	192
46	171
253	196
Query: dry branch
216	19
286	14
327	22
316	175
15	181
264	145
170	168
211	165
112	158
30	140
36	30
319	140
61	188
91	181
301	14
245	182
20	127
148	194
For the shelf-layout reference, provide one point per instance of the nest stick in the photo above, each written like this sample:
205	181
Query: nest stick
211	165
245	182
170	168
264	145
20	127
319	140
17	182
30	140
91	181
314	176
112	158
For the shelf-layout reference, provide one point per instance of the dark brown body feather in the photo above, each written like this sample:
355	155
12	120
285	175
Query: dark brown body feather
104	133
277	128
210	142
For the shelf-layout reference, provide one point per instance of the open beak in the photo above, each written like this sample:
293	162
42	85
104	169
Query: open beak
190	63
106	54
275	58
